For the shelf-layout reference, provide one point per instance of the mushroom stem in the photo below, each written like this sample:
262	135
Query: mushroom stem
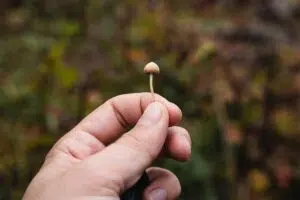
151	83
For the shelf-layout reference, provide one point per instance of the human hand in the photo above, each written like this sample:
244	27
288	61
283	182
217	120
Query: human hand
98	159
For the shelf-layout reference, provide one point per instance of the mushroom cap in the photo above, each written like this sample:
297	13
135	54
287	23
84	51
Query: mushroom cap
151	68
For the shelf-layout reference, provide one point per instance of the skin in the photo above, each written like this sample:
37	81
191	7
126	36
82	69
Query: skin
99	158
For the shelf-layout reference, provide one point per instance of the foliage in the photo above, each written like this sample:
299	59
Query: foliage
231	65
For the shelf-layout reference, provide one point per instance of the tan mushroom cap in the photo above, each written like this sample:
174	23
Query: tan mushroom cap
151	68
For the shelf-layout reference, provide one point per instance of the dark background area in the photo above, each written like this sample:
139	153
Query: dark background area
233	66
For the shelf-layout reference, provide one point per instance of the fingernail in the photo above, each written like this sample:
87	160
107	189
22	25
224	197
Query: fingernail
158	194
152	114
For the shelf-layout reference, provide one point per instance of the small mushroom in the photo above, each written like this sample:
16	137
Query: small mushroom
151	69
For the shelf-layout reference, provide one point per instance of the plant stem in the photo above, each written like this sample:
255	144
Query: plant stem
151	83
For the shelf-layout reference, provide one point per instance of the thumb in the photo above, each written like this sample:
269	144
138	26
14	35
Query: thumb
131	154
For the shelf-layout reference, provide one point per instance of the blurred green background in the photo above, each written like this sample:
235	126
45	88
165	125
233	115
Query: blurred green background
233	66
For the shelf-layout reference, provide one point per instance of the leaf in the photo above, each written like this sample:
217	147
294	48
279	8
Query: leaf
204	52
258	180
65	75
57	50
285	121
252	113
137	55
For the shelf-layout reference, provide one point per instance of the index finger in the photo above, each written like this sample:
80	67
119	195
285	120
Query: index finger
109	121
